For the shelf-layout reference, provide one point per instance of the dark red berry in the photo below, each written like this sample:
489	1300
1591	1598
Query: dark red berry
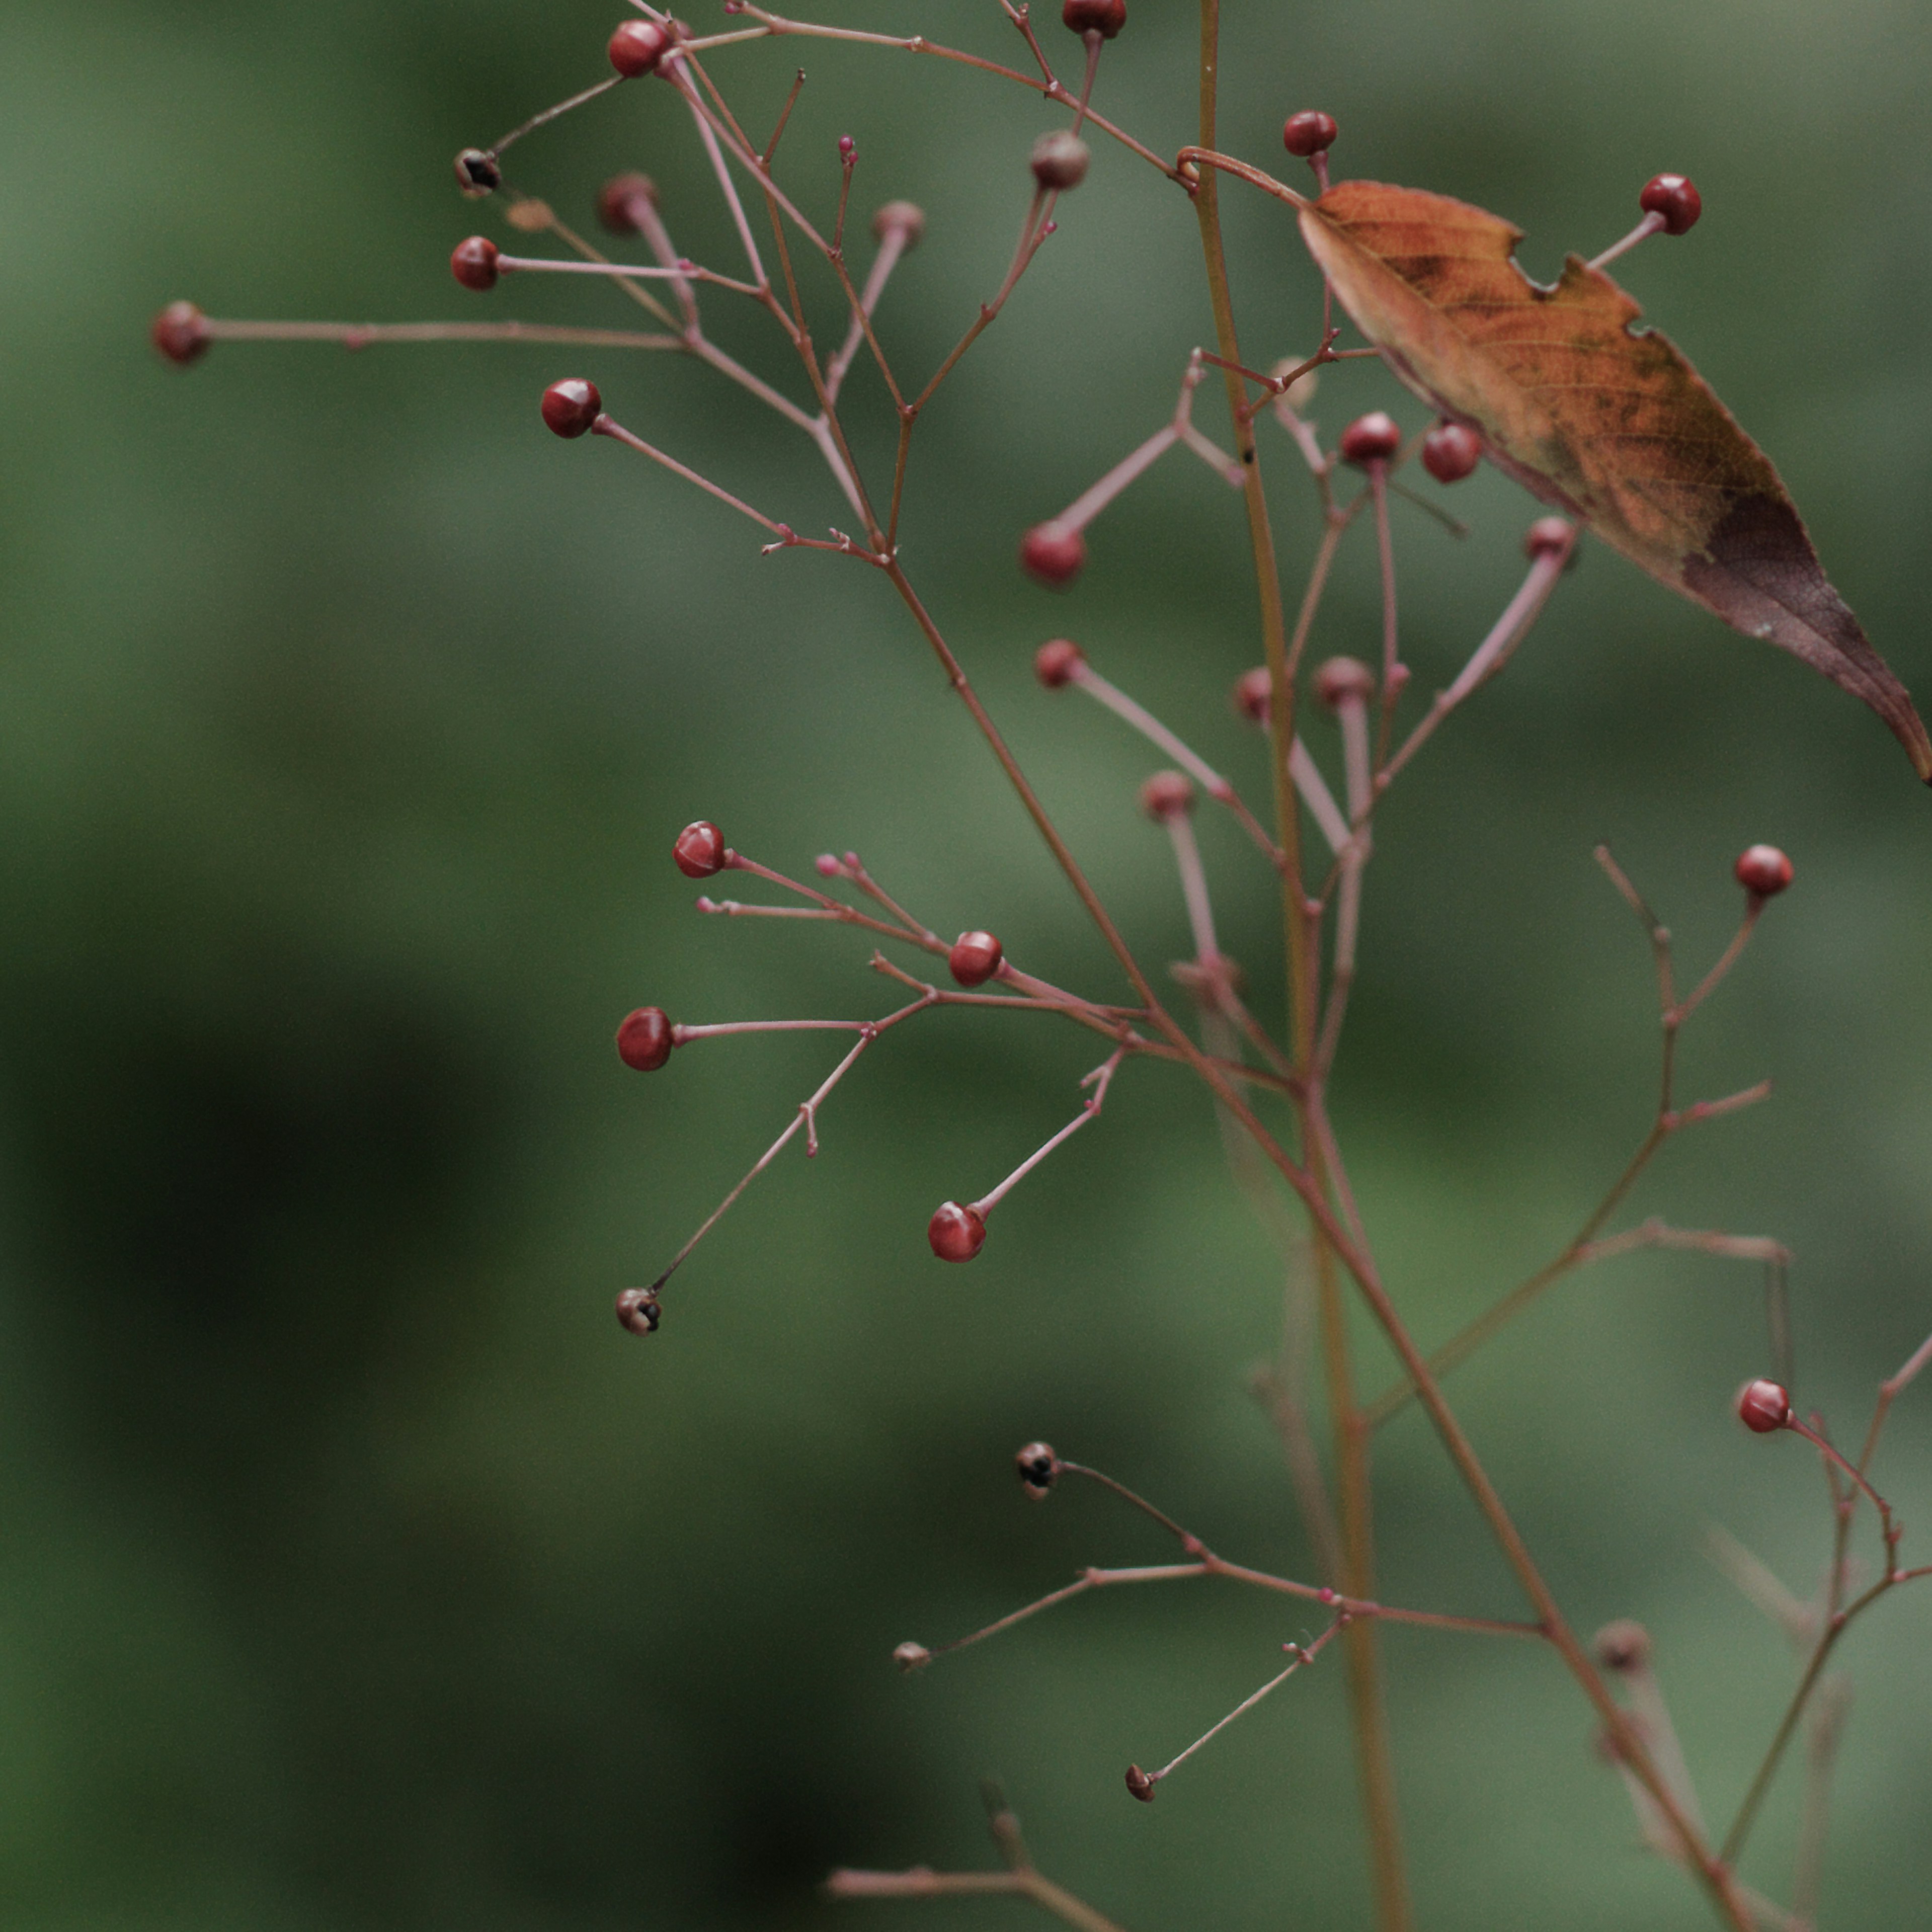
905	219
957	1233
644	1040
473	263
1052	555
1254	694
848	149
1056	661
1373	438
477	173
620	199
1341	681
1763	1406
1104	17
1309	133
1140	1784
1673	197
1059	160
1038	1466
638	1309
1549	536
572	406
1763	871
180	332
700	849
975	957
1167	794
1451	451
637	47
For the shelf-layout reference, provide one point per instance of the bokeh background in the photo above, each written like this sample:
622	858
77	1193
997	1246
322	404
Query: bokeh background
356	1570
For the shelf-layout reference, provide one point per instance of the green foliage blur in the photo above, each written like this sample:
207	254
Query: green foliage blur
354	1568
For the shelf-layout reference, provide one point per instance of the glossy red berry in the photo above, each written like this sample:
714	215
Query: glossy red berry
1373	438
473	263
637	47
975	957
957	1233
477	173
1052	555
180	332
1763	871
1548	536
1451	451
700	849
572	406
1308	134
1104	17
1340	681
1038	1467
1059	160
1675	199
905	219
1254	694
1140	1784
620	199
1763	1406
1057	660
644	1039
1167	794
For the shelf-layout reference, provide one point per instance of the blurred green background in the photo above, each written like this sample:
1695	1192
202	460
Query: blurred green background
356	1569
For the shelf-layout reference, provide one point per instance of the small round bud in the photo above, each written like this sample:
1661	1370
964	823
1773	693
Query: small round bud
180	332
827	865
1052	555
1548	536
699	850
1059	160
477	173
1104	17
1763	1406
911	1656
1340	681
1673	197
619	199
644	1039
637	47
975	957
473	263
905	218
957	1233
1056	660
1451	451
572	406
1254	694
1622	1646
1308	134
637	1310
1140	1784
1167	794
1763	871
1038	1467
847	149
1373	438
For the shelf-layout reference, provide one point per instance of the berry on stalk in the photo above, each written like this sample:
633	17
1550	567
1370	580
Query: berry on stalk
473	263
1166	795
1038	1467
906	219
1340	681
1056	661
1675	198
1763	871
975	957
1548	536
1140	1784
1451	451
1052	555
957	1233
180	332
1763	1406
618	201
1059	160
638	1310
700	849
644	1039
636	46
572	406
1104	17
1373	438
1308	134
1254	694
477	173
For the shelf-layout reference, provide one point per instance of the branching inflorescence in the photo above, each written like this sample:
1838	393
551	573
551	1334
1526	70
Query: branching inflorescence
1315	844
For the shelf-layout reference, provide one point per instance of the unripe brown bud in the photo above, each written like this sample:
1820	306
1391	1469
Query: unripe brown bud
1140	1784
1039	1467
477	173
637	1310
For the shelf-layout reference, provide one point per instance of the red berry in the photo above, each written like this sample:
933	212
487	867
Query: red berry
1549	536
619	199
1104	17
572	406
180	332
1340	681
637	47
1140	1784
1057	660
975	957
848	149
1165	794
1059	160
1673	197
906	219
644	1040
638	1309
1763	871
473	263
1451	451
1763	1406
1039	1467
700	849
1373	438
957	1233
1052	555
1308	134
477	173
